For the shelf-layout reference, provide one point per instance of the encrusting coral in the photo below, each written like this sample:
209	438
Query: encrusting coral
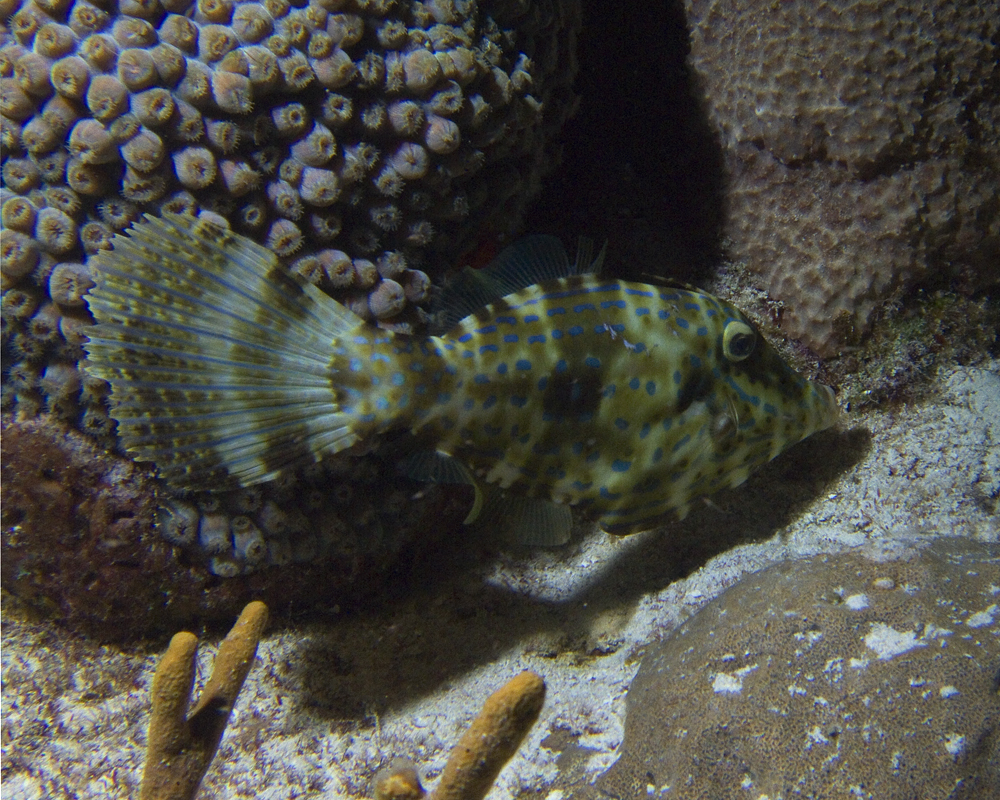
180	745
861	144
84	541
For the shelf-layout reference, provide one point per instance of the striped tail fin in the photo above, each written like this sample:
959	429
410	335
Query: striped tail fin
220	362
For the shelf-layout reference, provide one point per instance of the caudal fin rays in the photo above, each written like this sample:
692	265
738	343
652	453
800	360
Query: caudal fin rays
220	361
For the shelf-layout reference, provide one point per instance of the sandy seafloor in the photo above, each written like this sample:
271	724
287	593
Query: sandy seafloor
329	702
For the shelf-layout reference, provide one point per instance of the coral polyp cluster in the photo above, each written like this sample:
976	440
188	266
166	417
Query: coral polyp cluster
860	148
364	141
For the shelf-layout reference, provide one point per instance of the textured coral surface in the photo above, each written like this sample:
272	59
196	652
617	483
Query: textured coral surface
367	142
79	542
818	676
862	149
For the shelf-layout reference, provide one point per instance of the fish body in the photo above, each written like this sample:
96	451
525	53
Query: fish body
558	386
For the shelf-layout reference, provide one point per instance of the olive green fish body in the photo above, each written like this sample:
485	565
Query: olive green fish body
625	397
628	399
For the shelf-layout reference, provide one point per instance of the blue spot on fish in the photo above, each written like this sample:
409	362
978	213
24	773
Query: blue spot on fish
663	314
487	329
507	320
480	379
641	312
683	323
584	307
556	333
490	401
492	430
746	398
609	390
593	456
556	310
523	364
606	495
360	340
678	377
621	466
576	330
657	455
465	337
469	404
538	338
518	402
355	365
644	430
561	365
650	388
769	409
702	331
639	292
695	361
502	368
621	424
398	379
577	448
531	318
592	361
510	338
489	348
613	304
681	442
382	404
581	486
543	383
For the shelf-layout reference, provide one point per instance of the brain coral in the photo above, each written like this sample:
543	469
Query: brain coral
364	141
838	676
862	146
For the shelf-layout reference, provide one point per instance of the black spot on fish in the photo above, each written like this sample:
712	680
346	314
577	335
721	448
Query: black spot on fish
697	386
570	395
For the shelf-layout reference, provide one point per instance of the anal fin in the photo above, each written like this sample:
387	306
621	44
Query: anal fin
528	521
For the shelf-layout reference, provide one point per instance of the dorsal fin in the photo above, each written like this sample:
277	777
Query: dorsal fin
528	261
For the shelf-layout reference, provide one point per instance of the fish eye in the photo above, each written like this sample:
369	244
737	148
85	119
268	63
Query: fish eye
738	340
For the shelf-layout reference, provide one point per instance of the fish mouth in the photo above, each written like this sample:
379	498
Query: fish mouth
829	409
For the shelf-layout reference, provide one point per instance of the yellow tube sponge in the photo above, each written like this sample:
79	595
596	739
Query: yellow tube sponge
180	746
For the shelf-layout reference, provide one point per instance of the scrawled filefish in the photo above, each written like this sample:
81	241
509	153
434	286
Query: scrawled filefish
548	383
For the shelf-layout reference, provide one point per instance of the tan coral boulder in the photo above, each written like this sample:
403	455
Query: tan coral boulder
837	676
